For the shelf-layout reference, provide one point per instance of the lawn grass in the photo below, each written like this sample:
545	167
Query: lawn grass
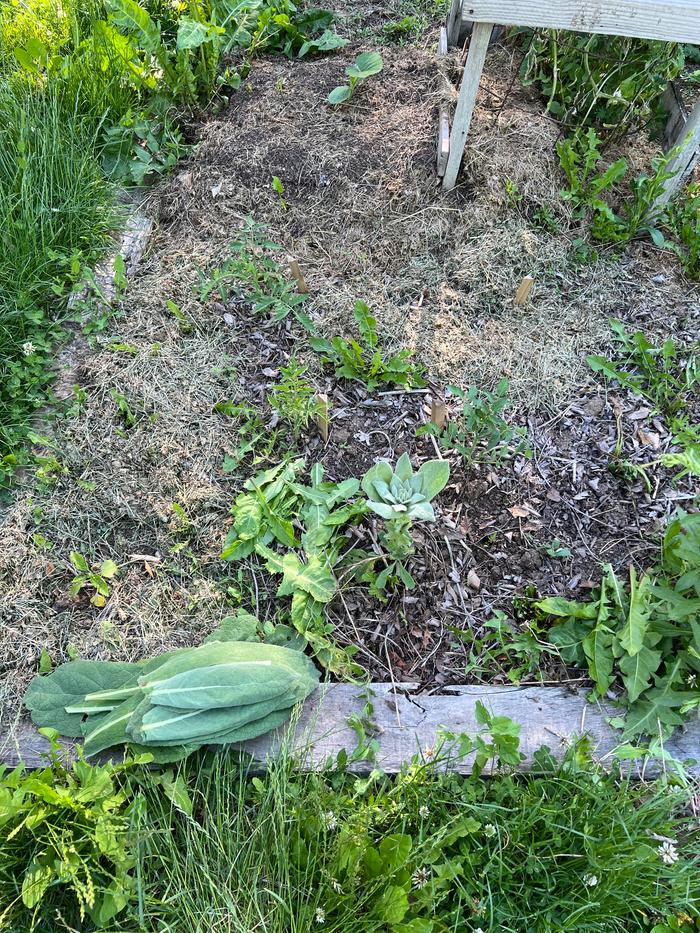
56	206
571	848
56	212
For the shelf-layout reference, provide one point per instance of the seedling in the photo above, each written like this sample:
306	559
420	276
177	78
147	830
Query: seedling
180	316
97	580
480	433
364	361
366	65
659	374
401	497
556	549
294	398
252	273
279	188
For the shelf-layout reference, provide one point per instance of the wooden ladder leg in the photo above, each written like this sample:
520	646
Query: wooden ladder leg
688	139
478	47
454	20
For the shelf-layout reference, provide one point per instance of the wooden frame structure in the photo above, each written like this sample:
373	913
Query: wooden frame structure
668	20
409	723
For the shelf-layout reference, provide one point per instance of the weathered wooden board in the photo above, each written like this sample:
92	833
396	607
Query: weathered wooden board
683	162
410	723
478	46
670	20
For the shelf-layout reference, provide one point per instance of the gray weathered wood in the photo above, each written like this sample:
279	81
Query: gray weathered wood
453	24
442	42
682	164
410	723
443	143
672	103
670	20
478	47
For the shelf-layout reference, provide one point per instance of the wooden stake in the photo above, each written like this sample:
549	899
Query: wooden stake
302	287
442	43
478	46
322	419
438	411
453	23
523	293
443	148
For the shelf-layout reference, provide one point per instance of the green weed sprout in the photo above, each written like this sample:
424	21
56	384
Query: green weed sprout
366	65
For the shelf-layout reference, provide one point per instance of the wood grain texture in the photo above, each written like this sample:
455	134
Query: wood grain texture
478	46
671	20
410	723
683	162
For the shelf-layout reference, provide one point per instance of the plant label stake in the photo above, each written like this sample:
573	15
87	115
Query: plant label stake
302	287
438	411
522	296
322	419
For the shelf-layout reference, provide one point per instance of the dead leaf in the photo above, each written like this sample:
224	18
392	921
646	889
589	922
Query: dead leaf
553	495
473	581
517	511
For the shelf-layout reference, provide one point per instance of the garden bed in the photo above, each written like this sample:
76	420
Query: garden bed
366	219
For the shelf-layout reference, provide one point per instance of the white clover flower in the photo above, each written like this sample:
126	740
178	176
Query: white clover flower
590	880
424	812
28	348
490	830
668	853
330	820
478	930
420	877
320	915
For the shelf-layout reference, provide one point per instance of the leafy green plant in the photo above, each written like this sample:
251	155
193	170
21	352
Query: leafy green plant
272	505
401	29
683	221
255	439
142	146
279	188
254	274
612	83
644	638
400	497
366	64
227	690
364	361
98	580
294	397
68	843
280	26
662	375
513	650
480	433
579	157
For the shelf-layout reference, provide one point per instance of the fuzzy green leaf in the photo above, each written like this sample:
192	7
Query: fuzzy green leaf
313	578
49	695
434	476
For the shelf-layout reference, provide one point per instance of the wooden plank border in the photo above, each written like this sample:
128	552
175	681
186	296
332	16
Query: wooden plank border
409	723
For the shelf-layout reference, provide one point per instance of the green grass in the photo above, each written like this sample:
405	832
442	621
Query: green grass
573	848
56	210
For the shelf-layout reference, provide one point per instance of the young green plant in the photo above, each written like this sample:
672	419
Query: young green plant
400	497
365	65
